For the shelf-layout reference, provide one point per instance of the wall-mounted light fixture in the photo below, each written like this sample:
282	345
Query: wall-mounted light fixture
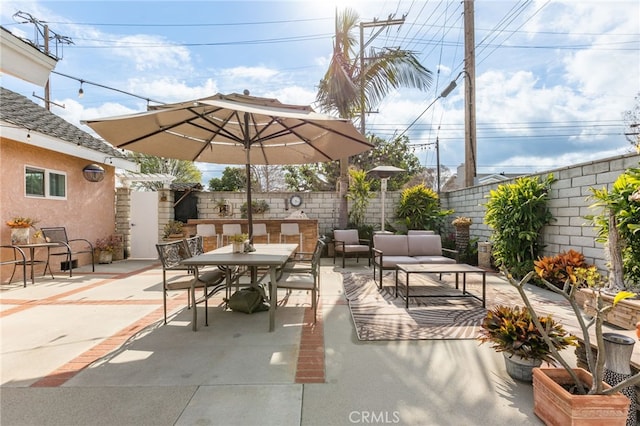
93	173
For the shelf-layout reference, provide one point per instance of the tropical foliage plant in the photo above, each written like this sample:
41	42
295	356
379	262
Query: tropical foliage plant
512	330
584	277
359	194
419	208
557	269
517	212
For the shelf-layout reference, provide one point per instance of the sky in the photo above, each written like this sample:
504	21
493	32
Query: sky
552	78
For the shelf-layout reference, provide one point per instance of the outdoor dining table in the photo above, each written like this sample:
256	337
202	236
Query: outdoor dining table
272	256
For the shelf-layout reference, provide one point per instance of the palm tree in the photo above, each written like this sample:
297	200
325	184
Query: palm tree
348	87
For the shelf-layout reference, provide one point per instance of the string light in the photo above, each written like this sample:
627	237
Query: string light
81	91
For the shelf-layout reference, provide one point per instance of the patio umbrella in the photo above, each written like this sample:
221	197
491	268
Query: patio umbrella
234	129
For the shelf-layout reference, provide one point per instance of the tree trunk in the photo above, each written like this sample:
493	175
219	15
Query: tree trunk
343	204
616	271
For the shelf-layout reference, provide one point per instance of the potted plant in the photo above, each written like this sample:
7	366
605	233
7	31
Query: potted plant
257	207
173	229
223	208
20	229
511	330
106	246
462	225
238	241
563	394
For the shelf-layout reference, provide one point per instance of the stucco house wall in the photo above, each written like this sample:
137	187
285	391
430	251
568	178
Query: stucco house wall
87	212
33	136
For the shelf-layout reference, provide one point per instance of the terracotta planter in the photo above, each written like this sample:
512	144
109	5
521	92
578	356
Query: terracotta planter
556	406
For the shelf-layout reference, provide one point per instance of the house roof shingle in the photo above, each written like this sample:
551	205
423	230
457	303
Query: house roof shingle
17	109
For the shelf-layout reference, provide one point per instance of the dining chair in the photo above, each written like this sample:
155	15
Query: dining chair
171	255
308	279
229	229
289	230
69	248
207	231
260	230
302	261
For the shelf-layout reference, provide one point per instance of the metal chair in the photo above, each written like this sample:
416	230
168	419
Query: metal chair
171	255
19	258
70	248
305	279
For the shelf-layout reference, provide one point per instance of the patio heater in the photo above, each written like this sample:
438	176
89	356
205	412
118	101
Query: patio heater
384	173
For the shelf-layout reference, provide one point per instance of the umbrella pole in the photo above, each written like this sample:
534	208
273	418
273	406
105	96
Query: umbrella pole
249	207
247	150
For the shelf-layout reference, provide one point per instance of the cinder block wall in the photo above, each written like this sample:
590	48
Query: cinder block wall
569	203
322	206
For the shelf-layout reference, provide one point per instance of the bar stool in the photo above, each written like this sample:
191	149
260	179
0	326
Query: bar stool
288	230
206	231
229	229
260	230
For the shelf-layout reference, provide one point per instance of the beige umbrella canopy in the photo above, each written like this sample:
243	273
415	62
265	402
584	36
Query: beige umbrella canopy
234	129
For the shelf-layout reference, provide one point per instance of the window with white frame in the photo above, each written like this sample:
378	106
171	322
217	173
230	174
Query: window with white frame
45	183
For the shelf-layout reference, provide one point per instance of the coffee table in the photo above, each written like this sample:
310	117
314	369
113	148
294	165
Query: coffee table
453	268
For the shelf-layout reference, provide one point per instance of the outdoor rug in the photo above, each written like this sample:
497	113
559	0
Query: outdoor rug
378	315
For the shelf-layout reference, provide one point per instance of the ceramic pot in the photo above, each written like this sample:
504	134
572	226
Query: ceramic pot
105	256
238	247
519	368
19	235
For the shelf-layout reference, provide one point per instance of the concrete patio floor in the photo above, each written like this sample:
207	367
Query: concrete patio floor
92	350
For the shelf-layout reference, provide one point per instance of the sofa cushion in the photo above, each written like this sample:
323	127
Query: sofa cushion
392	261
424	245
353	248
434	259
391	245
420	232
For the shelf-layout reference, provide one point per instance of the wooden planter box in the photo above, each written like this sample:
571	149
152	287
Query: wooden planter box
625	315
556	406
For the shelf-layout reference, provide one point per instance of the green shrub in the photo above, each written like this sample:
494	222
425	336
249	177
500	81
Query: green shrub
624	201
419	208
517	212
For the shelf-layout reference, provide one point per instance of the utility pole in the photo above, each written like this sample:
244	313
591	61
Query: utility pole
344	162
47	91
469	96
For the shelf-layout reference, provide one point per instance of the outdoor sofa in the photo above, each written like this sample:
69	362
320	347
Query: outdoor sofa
390	250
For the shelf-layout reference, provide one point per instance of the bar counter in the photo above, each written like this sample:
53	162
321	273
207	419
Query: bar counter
308	228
